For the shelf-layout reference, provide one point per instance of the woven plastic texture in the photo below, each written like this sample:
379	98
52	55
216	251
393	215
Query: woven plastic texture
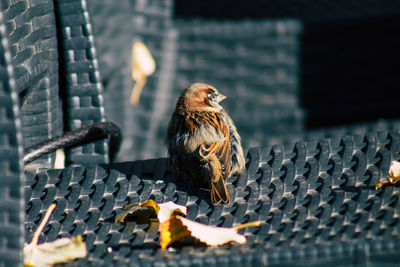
150	22
316	200
33	39
83	90
11	179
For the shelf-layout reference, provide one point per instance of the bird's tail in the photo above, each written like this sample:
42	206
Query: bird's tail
219	193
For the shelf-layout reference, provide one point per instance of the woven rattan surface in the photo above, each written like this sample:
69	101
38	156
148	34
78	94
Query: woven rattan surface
316	200
80	81
33	38
11	177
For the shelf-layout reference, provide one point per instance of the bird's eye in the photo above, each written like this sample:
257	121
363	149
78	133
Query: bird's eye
213	96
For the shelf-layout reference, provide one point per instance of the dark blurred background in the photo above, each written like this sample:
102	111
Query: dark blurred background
292	70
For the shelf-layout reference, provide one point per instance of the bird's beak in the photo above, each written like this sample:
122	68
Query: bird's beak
220	97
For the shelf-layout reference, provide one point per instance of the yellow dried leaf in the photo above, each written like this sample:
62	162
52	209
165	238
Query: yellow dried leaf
58	251
163	210
393	175
143	61
394	170
143	65
172	230
380	184
178	227
50	253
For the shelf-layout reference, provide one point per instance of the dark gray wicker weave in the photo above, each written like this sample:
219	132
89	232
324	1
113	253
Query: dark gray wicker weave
83	92
56	73
33	38
316	200
12	211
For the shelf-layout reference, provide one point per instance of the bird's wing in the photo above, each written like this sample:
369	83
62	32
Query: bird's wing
221	150
237	157
217	158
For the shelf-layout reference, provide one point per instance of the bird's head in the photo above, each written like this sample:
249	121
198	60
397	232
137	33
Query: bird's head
201	97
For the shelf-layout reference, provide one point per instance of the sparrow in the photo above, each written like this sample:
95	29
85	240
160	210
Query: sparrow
202	140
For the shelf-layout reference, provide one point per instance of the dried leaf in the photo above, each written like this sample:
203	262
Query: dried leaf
58	251
394	170
163	210
178	227
50	253
143	61
169	208
60	159
143	65
393	175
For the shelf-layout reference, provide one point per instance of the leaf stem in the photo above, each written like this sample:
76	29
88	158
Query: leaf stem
245	225
42	224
